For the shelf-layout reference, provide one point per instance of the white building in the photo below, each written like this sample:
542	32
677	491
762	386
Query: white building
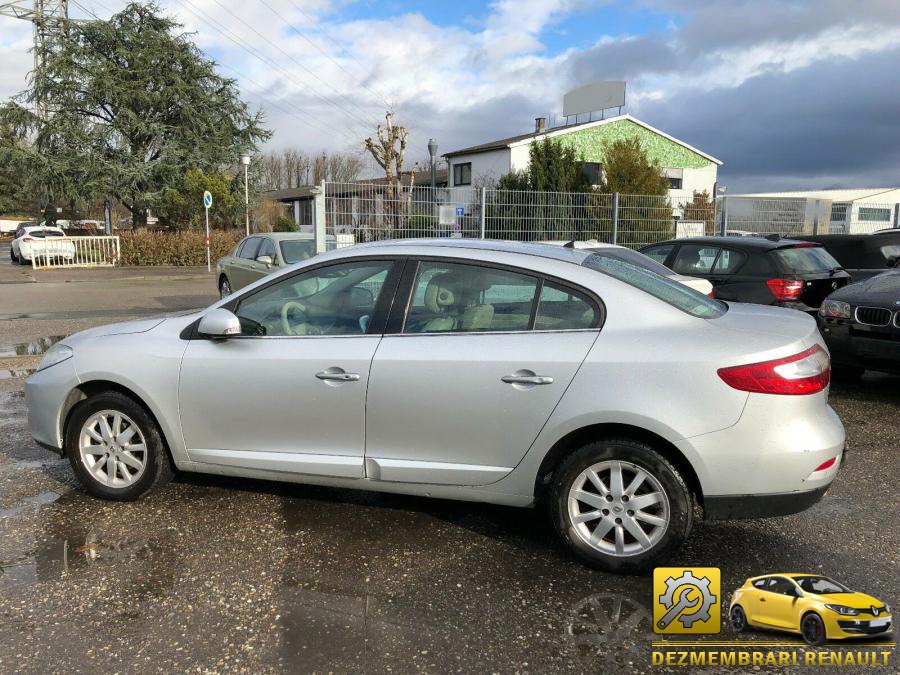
852	211
688	169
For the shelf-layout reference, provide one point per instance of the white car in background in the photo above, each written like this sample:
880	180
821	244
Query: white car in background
41	241
637	258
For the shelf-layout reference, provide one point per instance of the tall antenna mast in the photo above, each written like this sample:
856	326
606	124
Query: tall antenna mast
44	16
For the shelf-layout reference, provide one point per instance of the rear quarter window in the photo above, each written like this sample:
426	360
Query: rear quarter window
804	260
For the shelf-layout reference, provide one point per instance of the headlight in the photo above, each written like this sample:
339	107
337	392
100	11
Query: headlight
842	609
56	354
835	309
887	608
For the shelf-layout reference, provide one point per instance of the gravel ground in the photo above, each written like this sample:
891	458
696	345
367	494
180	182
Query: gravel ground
215	574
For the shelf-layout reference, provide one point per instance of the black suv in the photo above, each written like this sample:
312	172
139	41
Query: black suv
764	270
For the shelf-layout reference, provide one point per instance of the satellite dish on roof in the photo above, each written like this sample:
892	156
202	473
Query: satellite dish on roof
593	97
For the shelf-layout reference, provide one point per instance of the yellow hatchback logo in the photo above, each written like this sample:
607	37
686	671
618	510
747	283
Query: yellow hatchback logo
687	600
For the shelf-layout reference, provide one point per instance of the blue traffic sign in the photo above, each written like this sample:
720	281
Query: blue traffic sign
207	199
460	210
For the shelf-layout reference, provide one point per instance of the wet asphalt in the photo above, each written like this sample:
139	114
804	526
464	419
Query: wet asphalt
231	575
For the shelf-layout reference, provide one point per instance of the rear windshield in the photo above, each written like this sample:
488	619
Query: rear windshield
633	257
805	260
671	292
295	250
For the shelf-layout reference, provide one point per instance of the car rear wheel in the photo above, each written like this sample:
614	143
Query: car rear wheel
224	287
620	506
813	629
738	619
116	448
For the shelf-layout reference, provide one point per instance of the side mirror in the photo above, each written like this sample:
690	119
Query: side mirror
265	260
219	324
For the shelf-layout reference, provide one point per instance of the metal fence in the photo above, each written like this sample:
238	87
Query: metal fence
75	252
372	210
368	211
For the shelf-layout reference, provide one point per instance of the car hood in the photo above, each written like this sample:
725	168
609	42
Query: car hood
882	289
126	327
852	599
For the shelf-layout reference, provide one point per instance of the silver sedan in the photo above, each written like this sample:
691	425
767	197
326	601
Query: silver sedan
517	374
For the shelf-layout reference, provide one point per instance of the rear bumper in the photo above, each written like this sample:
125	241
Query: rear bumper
738	507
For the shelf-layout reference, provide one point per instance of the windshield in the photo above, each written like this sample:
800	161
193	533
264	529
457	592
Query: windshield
820	585
806	260
295	250
661	287
633	257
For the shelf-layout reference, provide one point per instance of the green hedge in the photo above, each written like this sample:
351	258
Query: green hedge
181	248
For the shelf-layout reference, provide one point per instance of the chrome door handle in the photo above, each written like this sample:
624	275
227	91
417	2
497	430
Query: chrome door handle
337	377
526	379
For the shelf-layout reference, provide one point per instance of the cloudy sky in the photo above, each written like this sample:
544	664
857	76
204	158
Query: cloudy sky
792	94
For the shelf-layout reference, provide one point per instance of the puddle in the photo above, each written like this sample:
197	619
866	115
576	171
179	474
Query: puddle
36	500
31	348
13	374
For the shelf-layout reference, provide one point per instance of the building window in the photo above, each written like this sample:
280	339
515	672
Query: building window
871	214
592	171
838	213
462	173
675	183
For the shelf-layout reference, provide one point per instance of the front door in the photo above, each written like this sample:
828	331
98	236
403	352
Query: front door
289	393
483	357
777	605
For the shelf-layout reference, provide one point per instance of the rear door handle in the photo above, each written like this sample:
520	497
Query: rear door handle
527	379
336	375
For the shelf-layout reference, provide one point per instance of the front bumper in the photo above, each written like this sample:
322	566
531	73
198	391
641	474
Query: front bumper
852	344
46	392
838	627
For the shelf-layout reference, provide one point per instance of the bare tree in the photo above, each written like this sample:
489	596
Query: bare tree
389	152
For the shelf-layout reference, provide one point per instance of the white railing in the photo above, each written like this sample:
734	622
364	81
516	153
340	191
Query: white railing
75	252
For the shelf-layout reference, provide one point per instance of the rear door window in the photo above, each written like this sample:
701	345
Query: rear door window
728	261
805	260
695	259
658	253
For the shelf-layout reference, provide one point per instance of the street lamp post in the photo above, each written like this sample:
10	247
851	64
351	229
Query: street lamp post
432	151
245	160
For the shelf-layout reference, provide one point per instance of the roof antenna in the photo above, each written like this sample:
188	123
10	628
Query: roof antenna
569	244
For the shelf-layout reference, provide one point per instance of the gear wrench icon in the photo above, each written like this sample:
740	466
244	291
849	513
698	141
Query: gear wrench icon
687	619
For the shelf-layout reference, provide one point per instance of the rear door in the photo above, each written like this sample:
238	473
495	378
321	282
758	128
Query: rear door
478	359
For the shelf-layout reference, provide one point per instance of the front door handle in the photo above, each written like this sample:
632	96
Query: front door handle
526	379
337	375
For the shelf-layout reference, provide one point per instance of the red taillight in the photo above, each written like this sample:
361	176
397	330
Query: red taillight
712	293
805	244
826	465
27	239
785	290
808	372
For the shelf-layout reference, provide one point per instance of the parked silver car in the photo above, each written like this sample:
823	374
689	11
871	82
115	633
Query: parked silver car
487	371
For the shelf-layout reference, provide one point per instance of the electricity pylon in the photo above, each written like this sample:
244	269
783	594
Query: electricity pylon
44	16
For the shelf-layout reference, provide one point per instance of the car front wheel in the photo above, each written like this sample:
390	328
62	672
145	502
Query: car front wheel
620	506
224	287
116	448
813	629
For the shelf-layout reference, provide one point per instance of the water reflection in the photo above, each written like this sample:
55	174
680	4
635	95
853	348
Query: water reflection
609	631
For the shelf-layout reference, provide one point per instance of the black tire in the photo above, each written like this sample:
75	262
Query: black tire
12	255
158	468
224	287
646	458
738	620
842	372
812	628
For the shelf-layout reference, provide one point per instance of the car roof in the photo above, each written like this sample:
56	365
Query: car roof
32	228
281	236
538	249
757	243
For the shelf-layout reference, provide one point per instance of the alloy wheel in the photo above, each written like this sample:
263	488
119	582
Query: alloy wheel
812	629
737	619
112	448
224	288
618	508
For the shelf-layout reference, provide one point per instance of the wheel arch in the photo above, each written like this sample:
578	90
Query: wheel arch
580	437
86	390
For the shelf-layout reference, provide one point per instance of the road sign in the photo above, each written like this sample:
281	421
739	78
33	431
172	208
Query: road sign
460	210
207	198
207	202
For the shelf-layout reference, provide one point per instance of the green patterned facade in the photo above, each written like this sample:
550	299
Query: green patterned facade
591	143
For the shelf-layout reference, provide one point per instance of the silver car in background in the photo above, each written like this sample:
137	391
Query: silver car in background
516	374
